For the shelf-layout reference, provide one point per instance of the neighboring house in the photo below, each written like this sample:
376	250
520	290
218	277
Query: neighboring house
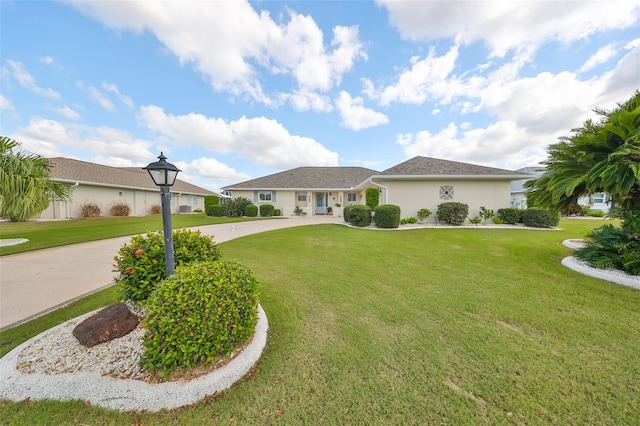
105	186
417	183
312	189
518	191
596	201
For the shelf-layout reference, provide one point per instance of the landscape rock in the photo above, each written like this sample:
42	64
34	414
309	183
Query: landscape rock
110	323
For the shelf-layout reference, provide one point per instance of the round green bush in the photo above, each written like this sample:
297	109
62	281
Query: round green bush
215	210
203	312
345	213
539	218
452	213
251	210
387	216
140	264
359	215
510	215
277	212
266	210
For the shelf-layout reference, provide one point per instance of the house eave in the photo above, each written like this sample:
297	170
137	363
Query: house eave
107	185
450	177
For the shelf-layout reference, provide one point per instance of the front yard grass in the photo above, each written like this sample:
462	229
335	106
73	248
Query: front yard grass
48	234
426	326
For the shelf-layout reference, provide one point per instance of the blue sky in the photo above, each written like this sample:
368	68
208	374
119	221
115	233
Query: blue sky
234	90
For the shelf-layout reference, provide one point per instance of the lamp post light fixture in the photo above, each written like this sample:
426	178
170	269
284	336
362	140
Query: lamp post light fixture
164	175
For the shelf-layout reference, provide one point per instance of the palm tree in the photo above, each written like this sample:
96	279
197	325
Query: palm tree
25	185
599	157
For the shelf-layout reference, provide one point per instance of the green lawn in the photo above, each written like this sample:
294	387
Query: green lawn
59	233
431	326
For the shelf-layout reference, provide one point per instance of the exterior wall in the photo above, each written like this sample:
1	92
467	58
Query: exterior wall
284	200
140	201
412	195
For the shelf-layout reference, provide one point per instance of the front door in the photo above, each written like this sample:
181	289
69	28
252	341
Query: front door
322	199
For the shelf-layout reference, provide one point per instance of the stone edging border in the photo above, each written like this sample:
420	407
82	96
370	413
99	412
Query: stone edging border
127	394
613	276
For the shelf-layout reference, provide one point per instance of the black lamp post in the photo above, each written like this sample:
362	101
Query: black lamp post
164	175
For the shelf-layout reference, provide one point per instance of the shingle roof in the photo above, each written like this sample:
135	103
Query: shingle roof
425	166
310	178
67	169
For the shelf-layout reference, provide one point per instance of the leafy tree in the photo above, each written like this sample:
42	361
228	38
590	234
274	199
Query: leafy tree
25	185
599	157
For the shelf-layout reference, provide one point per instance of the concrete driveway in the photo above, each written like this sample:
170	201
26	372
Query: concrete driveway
34	283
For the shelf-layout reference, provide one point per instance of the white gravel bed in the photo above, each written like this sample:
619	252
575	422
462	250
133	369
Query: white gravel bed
611	275
53	365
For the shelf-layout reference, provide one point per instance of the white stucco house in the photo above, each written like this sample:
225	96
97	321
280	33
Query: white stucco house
417	183
595	201
106	186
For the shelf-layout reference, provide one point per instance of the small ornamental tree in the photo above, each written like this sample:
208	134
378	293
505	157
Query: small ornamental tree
372	197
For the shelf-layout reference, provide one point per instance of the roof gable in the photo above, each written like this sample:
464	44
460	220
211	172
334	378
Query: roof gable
310	178
68	169
425	166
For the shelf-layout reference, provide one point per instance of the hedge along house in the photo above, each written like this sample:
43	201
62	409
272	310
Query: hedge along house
106	186
417	183
423	182
314	190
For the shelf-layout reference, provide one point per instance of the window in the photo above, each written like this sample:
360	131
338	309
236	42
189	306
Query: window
352	197
192	200
598	198
265	195
302	197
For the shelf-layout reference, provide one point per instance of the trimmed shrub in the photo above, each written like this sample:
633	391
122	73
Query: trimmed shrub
277	212
423	214
345	212
387	216
407	220
372	197
510	216
211	200
611	247
452	212
156	209
539	218
140	263
201	313
90	210
251	210
215	210
266	210
597	213
120	209
235	207
359	215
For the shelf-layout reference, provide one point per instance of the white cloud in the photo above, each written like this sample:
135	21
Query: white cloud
260	140
67	112
355	116
47	60
503	140
229	42
114	89
508	25
305	100
5	103
600	57
27	81
51	138
102	99
210	169
426	77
